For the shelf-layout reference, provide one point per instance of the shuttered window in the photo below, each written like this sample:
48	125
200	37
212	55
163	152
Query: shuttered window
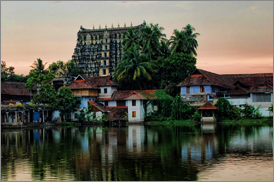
261	98
134	114
133	102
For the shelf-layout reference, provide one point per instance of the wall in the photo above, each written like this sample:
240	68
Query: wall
139	111
110	91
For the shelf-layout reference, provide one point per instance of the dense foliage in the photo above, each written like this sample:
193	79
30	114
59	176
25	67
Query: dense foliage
164	64
8	74
68	69
65	101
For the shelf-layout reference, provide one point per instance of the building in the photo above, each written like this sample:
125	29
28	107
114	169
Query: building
12	92
239	89
101	92
98	51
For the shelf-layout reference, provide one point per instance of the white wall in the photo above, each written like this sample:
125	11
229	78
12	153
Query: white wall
55	115
139	111
110	91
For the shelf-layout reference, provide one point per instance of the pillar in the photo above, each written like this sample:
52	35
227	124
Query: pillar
29	116
7	114
43	115
15	116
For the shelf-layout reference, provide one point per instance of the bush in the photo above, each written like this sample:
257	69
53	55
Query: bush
31	104
197	116
11	104
19	104
224	108
251	112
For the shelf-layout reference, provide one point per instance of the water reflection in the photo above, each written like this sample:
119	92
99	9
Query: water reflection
135	152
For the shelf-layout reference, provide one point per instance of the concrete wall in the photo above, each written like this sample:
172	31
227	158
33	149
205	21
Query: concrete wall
110	91
240	102
138	109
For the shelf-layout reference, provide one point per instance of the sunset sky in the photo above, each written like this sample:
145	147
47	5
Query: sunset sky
236	36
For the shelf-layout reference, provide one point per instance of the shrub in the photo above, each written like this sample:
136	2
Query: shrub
270	108
11	104
251	112
197	116
224	108
31	104
19	104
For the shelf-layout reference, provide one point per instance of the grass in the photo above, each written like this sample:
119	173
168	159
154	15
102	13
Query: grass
264	121
188	122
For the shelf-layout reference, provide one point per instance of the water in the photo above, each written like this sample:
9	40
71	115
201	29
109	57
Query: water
135	152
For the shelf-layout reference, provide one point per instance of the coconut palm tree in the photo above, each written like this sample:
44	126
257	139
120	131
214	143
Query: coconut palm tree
135	65
151	37
191	38
164	49
132	38
184	41
38	66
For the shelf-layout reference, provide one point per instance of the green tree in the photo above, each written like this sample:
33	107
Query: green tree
65	101
72	69
131	39
150	41
184	41
46	94
7	74
69	68
174	69
135	65
38	66
224	108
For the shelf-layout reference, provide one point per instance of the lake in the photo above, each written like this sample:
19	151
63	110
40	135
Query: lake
138	153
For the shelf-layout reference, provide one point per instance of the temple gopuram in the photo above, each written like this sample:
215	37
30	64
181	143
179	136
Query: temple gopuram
98	51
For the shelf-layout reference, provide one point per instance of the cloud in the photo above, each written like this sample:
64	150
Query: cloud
130	3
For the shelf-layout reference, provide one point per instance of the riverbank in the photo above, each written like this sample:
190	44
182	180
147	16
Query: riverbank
264	121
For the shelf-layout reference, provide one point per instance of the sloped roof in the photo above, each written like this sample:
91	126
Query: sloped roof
206	78
136	96
98	106
207	106
116	113
83	82
262	89
125	94
251	80
14	88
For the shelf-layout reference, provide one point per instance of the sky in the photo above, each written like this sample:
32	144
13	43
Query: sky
235	36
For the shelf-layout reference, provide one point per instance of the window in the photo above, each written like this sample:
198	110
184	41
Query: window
202	89
188	89
105	54
104	62
261	98
134	114
106	47
106	40
106	103
75	115
99	91
104	71
94	115
105	90
133	102
121	103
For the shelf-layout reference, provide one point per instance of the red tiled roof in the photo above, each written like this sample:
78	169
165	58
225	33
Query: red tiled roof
124	94
262	89
251	80
83	82
98	106
116	113
206	78
136	96
207	106
14	88
103	99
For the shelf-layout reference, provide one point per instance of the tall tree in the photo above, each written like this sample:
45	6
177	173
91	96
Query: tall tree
135	65
38	65
184	41
131	38
151	37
